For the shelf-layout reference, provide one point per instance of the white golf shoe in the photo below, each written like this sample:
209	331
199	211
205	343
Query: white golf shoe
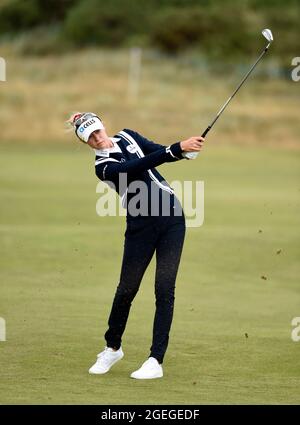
105	360
150	369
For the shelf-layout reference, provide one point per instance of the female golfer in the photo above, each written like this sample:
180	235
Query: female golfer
155	223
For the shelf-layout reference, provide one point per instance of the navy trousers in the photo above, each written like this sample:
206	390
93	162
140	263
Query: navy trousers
144	236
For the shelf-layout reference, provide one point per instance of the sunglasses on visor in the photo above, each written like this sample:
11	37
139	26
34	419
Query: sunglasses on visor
83	118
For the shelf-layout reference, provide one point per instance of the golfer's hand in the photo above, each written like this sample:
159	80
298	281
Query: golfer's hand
193	144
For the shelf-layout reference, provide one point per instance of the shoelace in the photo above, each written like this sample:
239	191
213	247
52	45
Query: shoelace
102	356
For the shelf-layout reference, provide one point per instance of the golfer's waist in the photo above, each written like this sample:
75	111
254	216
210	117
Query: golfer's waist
165	205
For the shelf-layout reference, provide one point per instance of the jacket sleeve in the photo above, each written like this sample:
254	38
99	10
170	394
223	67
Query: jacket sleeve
148	146
109	168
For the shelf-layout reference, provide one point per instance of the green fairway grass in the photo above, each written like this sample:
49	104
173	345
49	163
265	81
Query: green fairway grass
231	335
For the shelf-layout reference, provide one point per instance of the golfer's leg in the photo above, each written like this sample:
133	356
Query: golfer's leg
168	254
138	251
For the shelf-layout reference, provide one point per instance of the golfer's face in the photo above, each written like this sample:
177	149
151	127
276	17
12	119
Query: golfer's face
96	140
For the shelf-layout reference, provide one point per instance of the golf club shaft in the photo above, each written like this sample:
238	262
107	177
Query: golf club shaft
236	90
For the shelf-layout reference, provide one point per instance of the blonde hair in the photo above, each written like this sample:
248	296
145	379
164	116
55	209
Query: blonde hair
71	121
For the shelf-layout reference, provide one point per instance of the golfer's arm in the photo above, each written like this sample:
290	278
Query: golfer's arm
148	146
109	169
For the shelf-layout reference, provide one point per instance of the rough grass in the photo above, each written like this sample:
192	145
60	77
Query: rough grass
178	98
60	265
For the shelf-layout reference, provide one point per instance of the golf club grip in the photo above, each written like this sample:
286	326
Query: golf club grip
206	131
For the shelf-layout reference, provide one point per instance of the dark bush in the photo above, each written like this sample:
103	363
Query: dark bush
177	29
104	22
213	30
19	15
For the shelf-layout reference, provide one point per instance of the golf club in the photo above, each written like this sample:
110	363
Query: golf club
267	33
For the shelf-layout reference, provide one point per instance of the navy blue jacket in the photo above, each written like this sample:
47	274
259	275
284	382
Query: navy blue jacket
137	157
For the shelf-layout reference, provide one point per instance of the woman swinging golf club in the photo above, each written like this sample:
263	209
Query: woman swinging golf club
155	223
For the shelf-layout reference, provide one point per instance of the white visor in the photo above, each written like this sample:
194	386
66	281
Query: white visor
87	127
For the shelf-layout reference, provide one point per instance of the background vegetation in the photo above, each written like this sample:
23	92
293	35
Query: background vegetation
170	25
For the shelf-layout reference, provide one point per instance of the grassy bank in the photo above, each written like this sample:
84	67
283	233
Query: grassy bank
177	98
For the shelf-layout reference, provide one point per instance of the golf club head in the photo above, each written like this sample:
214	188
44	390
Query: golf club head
268	35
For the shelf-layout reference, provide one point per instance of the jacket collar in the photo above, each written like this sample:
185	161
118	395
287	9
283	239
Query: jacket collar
105	151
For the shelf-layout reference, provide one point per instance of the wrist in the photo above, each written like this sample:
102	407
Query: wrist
176	149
